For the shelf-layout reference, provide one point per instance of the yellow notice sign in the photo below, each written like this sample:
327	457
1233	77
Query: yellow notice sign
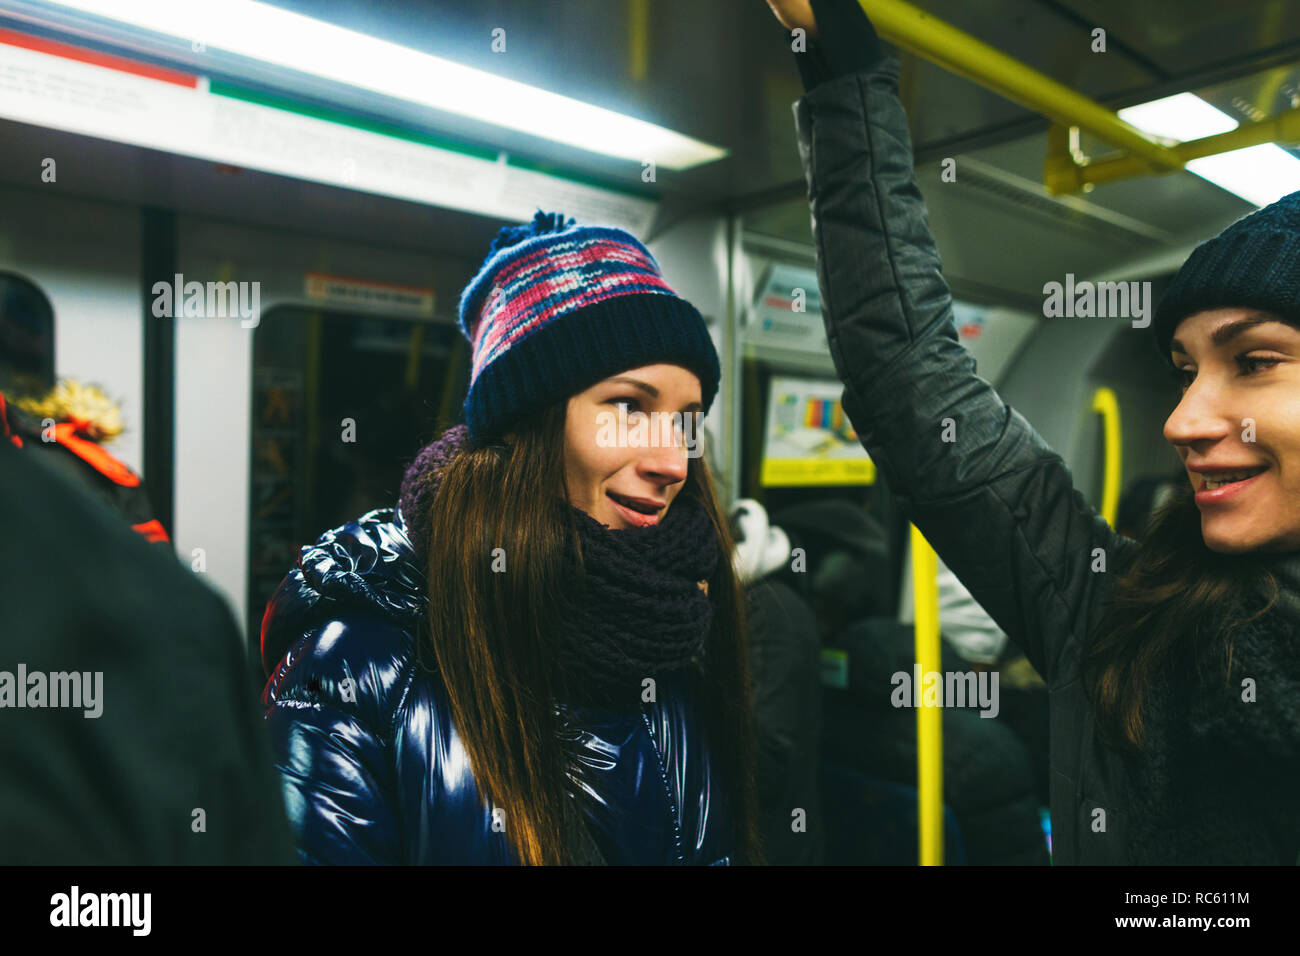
779	472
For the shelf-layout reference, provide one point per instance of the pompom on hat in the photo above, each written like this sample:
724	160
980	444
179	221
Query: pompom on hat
1254	263
557	306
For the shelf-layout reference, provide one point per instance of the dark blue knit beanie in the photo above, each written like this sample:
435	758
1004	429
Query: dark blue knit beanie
1254	263
556	307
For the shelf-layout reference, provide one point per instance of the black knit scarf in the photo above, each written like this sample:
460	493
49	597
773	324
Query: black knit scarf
635	609
1219	782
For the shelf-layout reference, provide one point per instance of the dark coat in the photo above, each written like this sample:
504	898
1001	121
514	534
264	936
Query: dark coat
998	505
785	665
177	730
377	773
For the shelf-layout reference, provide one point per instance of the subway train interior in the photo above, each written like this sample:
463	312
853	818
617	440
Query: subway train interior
249	225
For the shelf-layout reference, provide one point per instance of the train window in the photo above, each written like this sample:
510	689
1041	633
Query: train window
341	404
26	338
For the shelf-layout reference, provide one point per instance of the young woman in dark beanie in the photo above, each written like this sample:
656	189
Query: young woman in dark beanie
536	657
1174	664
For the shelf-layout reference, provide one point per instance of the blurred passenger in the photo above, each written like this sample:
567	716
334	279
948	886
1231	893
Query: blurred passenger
127	734
967	629
67	426
869	744
1172	665
65	422
785	660
846	554
538	656
988	777
26	338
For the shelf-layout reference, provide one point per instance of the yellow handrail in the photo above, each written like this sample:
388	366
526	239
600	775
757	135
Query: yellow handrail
1106	404
1063	173
960	53
929	720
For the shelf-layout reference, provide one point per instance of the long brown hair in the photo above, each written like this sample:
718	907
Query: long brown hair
498	526
1176	608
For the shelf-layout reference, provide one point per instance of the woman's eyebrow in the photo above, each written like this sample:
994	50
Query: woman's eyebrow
644	386
652	391
1226	333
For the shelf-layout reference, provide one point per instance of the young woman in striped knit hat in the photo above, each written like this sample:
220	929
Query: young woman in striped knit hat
537	656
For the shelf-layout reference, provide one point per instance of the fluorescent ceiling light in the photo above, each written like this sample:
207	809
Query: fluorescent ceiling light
1259	174
295	42
1181	117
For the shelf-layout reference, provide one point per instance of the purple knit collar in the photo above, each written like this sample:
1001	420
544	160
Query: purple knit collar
420	484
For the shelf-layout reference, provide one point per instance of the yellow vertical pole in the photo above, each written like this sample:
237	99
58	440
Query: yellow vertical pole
929	720
1106	404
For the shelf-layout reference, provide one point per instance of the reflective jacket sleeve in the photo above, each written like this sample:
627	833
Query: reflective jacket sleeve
335	769
996	503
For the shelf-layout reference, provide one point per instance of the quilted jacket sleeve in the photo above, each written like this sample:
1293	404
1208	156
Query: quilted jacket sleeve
325	714
996	503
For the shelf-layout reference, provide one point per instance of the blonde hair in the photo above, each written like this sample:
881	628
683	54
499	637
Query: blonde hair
70	400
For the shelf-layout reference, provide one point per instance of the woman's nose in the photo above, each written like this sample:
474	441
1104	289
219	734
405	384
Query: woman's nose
667	460
1199	416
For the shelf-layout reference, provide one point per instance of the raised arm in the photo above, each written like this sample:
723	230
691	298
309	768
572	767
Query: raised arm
996	503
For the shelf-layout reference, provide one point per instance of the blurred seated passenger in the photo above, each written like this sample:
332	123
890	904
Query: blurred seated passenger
975	637
990	778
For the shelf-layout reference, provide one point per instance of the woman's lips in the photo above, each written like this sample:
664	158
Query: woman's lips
1226	492
634	518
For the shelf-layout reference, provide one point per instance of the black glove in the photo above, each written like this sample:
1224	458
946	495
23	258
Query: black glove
848	43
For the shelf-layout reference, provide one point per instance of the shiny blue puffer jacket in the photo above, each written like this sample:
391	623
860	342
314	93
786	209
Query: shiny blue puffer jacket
374	772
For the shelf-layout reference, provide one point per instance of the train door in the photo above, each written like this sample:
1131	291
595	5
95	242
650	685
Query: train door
299	414
341	402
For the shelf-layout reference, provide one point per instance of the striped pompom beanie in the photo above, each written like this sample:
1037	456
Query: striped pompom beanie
556	307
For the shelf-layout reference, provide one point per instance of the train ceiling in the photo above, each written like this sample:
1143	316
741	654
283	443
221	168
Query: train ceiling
721	71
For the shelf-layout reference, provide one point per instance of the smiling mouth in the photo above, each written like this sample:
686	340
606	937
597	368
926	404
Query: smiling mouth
633	505
1227	478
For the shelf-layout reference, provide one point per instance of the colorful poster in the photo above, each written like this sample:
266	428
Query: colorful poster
808	439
